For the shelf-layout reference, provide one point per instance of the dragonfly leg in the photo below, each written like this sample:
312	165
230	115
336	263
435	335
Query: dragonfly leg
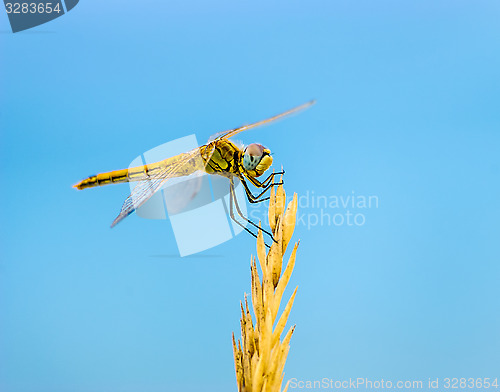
266	182
256	199
232	199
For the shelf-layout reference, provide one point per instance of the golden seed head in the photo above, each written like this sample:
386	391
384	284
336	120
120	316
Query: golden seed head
261	356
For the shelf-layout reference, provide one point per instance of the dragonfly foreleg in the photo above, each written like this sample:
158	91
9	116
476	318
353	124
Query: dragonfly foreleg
257	199
232	200
266	182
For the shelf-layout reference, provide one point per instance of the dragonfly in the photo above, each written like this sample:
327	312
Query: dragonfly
219	156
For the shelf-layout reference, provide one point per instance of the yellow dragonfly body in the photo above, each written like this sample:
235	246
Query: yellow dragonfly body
220	156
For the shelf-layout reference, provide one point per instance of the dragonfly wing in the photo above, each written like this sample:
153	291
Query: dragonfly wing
185	193
141	193
232	132
187	164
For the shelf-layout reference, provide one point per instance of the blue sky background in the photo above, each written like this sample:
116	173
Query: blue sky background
408	96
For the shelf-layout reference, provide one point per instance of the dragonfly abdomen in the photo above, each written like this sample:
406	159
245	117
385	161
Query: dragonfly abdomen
139	173
113	177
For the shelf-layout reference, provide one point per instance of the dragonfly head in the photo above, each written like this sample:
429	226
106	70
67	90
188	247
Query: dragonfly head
256	159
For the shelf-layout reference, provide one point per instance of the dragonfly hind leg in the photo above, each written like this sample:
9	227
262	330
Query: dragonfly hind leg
232	200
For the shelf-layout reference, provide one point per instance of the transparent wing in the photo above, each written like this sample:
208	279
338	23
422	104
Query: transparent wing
142	192
232	132
186	164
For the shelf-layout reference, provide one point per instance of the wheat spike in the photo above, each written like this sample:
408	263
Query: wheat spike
261	354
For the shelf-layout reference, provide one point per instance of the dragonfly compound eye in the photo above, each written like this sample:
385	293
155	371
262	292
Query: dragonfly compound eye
252	156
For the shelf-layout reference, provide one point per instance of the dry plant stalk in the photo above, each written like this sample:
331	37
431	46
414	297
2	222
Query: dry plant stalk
260	356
